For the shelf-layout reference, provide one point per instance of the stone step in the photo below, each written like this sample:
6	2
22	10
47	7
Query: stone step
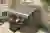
48	22
49	8
48	17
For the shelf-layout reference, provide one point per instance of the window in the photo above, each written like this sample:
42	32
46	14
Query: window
2	1
4	13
